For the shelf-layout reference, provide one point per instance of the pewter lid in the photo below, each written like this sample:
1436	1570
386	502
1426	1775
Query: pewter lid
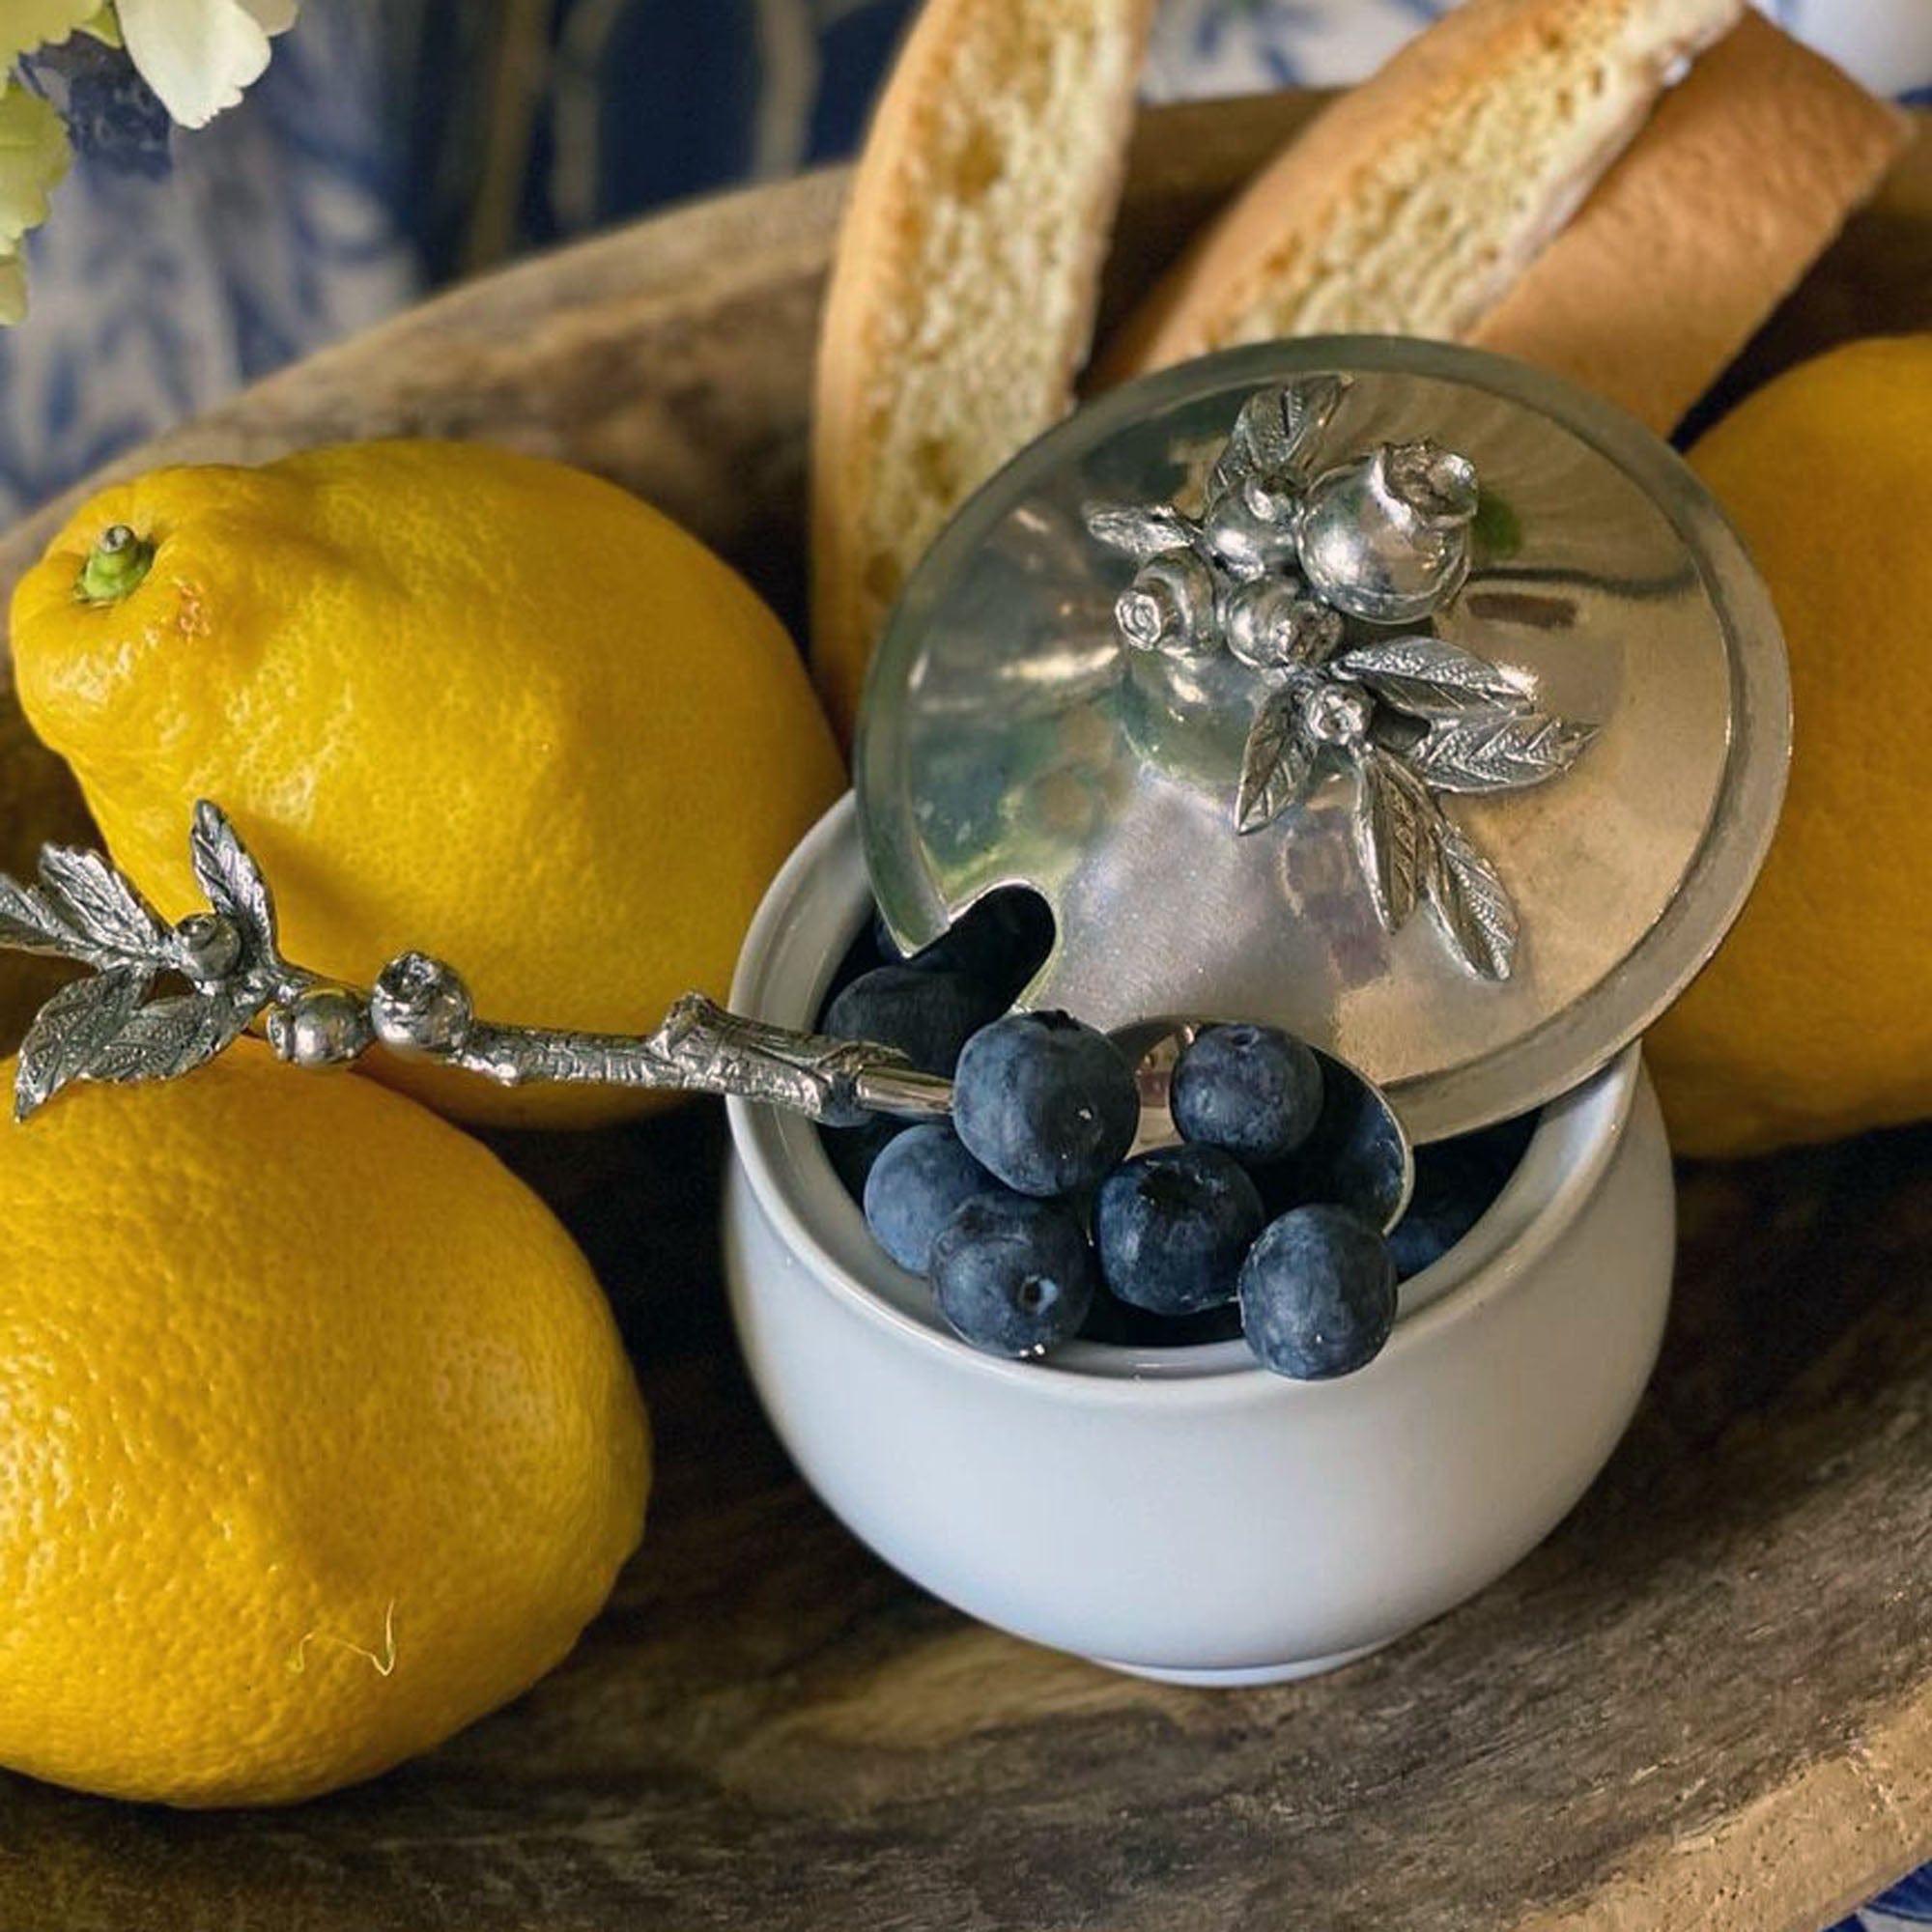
1506	778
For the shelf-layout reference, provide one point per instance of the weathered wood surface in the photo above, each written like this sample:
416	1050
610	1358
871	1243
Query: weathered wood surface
1705	1703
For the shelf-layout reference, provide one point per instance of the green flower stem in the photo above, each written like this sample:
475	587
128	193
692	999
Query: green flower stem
115	566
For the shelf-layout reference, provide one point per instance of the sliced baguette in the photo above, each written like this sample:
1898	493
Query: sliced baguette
1744	175
1415	202
962	293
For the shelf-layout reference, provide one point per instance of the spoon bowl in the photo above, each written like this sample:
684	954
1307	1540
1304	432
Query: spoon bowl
1359	1151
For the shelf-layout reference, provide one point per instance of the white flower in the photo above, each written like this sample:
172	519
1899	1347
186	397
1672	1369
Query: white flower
198	55
34	155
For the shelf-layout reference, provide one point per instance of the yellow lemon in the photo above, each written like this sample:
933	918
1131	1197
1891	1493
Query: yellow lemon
455	699
1813	1021
316	1437
38	803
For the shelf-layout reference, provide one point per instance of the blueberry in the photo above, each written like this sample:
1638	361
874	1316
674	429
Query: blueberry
1318	1294
913	1188
861	956
1351	1160
1173	1226
1046	1104
853	1150
1012	1276
1419	1240
1453	1188
1456	1182
1252	1090
928	1016
1001	941
1499	1149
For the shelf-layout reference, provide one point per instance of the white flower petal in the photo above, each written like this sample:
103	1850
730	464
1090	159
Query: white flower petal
34	155
272	16
33	23
12	290
198	55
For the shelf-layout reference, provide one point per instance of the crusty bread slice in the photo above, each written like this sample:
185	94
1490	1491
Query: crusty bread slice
962	293
1413	202
1744	175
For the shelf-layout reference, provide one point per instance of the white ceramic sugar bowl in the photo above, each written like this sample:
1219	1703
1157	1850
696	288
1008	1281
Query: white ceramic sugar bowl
1182	1512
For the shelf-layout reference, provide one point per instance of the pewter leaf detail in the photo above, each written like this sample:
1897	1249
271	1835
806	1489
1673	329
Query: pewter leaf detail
87	896
169	1038
1299	573
28	923
233	882
1277	763
1429	677
1471	902
1276	430
72	1032
1143	531
1497	754
1393	825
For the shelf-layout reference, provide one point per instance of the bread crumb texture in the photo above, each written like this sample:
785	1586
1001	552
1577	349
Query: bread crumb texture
1741	177
962	293
1411	205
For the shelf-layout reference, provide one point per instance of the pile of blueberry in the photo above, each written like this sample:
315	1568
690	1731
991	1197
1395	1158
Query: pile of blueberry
1031	1223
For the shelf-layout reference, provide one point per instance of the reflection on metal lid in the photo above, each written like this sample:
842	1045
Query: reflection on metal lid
1411	895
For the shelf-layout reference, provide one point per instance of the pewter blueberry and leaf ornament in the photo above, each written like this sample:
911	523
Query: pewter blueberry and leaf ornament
104	1026
114	1025
1298	575
1389	692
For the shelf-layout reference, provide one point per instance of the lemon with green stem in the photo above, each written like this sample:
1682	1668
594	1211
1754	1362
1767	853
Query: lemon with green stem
454	699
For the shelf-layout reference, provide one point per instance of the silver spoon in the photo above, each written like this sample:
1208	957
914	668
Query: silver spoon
108	1028
1358	1154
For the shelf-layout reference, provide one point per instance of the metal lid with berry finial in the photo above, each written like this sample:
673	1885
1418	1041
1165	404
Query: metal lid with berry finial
1391	693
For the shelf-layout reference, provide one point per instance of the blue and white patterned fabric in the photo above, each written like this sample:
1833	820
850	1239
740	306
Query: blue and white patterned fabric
155	294
1235	46
1206	47
396	142
1906	1906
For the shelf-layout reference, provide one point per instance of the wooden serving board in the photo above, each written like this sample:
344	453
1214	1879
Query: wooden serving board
1706	1702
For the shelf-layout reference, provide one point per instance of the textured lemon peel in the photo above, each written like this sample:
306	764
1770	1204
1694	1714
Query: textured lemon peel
382	1663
